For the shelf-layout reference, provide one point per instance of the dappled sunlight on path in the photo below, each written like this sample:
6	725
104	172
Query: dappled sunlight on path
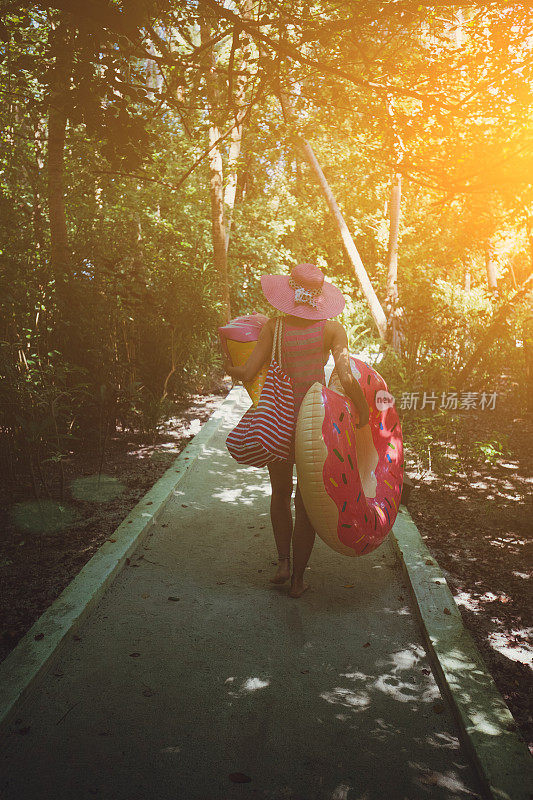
193	668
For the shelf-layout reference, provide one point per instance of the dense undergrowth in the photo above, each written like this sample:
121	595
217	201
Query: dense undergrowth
110	297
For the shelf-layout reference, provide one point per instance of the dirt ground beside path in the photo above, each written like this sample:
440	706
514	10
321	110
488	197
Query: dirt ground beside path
477	521
475	518
35	568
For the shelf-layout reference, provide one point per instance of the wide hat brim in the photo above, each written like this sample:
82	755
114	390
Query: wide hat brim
280	294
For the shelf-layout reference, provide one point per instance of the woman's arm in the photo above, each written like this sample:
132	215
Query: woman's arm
259	355
340	352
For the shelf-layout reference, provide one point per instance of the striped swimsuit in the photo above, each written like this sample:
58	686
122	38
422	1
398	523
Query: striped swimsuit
302	358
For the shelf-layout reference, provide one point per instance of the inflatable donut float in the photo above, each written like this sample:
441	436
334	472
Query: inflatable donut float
238	339
350	479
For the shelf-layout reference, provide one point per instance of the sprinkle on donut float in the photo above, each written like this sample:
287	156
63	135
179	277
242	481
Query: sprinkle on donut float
350	479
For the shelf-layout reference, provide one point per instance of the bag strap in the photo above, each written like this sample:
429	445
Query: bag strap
276	344
274	341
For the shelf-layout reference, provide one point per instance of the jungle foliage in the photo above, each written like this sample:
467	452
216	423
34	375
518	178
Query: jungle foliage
118	119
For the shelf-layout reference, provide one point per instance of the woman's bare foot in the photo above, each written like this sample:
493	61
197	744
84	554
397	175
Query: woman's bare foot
298	587
283	572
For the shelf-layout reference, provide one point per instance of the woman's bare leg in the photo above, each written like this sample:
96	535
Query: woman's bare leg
281	515
302	544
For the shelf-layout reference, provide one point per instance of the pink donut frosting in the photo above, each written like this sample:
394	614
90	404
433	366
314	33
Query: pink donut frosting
363	522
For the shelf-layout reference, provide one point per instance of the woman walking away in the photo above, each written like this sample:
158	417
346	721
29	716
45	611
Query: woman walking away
309	335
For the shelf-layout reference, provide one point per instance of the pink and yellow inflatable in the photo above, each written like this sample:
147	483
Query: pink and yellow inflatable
350	479
238	339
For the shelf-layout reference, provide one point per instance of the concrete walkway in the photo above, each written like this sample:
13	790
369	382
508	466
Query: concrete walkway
193	668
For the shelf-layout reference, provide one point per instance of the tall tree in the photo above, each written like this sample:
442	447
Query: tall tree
376	309
241	78
490	266
61	51
393	308
216	178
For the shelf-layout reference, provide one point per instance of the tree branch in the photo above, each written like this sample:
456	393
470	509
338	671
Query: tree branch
175	186
292	52
493	330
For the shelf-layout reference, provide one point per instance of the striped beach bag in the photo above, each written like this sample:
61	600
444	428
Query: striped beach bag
264	433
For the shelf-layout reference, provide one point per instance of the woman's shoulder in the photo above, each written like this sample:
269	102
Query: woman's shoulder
267	331
334	325
332	330
270	324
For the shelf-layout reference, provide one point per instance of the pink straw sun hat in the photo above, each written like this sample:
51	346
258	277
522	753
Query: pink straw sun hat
303	293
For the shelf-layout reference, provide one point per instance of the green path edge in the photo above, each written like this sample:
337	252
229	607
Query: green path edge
487	728
32	658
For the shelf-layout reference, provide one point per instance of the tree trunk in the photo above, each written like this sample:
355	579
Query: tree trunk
154	79
527	333
57	125
492	275
32	172
67	332
494	329
376	309
529	234
393	308
216	182
233	158
236	133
